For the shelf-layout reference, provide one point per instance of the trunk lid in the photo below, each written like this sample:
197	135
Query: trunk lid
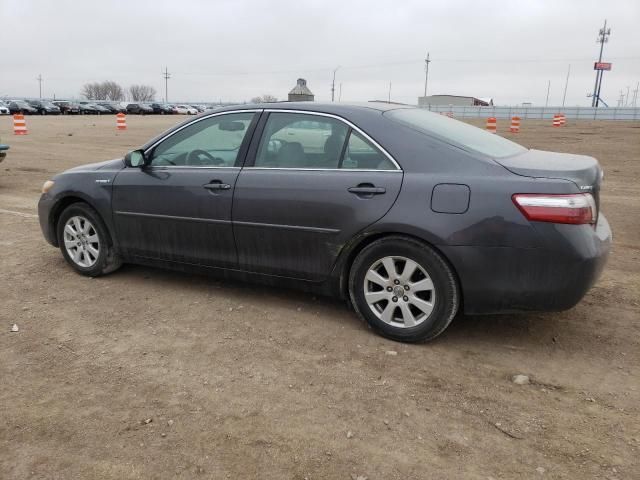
582	170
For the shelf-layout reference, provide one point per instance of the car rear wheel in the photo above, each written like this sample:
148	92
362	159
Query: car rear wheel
85	242
403	289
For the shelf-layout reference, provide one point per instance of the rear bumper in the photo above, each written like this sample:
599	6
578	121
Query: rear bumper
551	278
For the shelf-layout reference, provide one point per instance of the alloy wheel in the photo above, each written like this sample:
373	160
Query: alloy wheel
81	241
399	291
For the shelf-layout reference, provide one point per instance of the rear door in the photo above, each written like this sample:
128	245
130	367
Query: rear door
312	182
178	207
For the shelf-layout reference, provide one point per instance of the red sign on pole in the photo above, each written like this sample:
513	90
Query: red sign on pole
602	66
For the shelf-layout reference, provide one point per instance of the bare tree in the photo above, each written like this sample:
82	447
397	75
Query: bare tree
107	90
142	93
266	98
113	91
89	91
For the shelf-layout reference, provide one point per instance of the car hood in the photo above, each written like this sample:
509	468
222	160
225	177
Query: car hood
115	164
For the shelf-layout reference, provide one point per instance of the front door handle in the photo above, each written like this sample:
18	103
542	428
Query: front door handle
367	190
216	185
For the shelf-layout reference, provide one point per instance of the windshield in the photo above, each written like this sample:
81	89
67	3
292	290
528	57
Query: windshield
456	133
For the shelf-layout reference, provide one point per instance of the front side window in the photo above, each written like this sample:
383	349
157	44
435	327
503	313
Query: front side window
212	142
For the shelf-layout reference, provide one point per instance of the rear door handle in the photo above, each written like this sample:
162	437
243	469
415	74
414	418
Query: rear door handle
361	190
217	185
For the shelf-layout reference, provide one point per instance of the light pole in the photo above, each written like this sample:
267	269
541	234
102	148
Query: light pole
333	83
426	73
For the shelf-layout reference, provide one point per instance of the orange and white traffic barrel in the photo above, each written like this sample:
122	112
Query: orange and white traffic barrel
121	121
492	125
563	120
19	125
515	125
556	120
450	114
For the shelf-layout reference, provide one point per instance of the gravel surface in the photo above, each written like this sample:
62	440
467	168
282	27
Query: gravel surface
150	374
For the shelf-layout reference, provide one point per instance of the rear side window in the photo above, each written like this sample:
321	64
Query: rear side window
457	133
297	140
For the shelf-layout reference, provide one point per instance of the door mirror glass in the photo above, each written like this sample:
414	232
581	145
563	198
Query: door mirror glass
135	159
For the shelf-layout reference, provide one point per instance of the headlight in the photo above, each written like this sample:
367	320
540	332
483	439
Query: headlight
48	185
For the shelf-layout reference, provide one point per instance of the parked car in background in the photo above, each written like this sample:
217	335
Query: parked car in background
3	150
111	108
66	107
186	110
173	109
199	108
139	109
410	215
4	108
44	107
21	106
87	109
161	108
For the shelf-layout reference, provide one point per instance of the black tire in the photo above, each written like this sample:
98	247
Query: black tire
446	293
107	260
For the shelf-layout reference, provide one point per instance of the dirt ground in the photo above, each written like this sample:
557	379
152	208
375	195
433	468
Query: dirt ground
149	374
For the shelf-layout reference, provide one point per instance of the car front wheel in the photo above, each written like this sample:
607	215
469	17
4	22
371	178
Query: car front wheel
85	242
403	289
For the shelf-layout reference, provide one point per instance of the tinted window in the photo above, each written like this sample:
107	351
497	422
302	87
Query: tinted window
457	133
296	140
214	141
362	154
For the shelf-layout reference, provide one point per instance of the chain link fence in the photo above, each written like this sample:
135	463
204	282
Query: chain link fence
540	113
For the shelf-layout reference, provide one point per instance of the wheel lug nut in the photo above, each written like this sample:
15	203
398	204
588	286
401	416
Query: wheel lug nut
395	299
406	287
397	282
389	289
405	298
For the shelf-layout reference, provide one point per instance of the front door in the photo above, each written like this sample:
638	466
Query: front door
178	207
313	184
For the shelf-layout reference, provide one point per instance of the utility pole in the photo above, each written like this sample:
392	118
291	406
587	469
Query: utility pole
426	73
333	83
635	95
166	76
389	97
40	80
566	84
603	37
340	93
626	103
548	88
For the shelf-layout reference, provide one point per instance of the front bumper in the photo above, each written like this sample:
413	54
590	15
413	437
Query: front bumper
554	277
45	205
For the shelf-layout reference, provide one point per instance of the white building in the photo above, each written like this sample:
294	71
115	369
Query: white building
455	100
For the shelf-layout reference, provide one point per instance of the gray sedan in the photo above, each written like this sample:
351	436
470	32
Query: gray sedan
409	215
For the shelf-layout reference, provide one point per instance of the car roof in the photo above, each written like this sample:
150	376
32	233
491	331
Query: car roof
335	108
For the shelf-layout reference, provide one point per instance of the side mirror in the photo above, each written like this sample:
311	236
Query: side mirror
135	159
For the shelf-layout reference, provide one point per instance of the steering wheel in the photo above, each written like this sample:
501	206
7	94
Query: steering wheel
194	158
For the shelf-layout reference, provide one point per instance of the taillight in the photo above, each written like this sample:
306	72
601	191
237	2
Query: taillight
579	208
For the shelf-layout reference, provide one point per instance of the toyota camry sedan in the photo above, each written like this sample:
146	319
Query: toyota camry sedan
410	216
